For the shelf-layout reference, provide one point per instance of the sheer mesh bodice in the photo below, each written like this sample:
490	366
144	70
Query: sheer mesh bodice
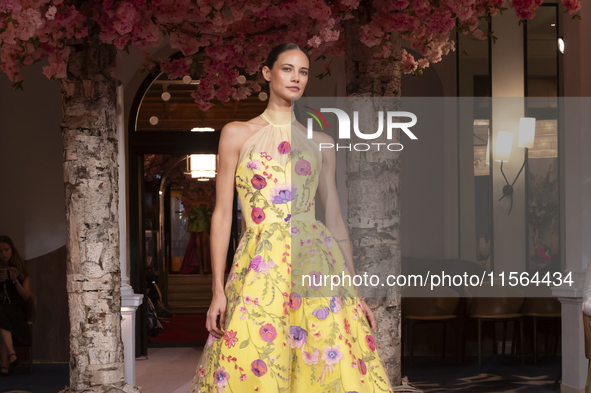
280	149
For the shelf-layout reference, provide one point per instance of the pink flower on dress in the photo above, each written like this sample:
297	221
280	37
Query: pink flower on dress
258	182
230	338
294	230
254	164
295	301
370	342
257	215
268	332
303	167
310	358
259	367
332	355
284	147
362	367
247	299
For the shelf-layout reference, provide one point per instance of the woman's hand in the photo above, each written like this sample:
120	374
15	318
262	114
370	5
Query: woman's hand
369	315
217	307
13	273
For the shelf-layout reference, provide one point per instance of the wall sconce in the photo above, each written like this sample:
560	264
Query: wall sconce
527	132
561	45
202	166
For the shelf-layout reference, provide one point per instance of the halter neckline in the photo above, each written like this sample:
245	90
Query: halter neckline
279	118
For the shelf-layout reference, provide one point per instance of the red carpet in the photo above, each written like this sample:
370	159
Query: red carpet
183	328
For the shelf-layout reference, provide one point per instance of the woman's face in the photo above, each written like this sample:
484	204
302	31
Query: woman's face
5	252
289	75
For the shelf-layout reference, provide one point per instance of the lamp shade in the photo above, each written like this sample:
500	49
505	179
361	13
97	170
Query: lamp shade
503	146
527	132
202	165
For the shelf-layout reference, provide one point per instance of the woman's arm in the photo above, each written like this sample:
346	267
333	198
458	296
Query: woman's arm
221	222
24	289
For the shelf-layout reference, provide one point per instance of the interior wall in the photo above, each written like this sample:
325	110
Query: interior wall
32	201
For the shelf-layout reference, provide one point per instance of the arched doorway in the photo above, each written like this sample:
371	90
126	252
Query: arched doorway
165	126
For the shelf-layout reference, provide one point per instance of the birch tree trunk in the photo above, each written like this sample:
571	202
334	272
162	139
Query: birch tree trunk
373	187
90	177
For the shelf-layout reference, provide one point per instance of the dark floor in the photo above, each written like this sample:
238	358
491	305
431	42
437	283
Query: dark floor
46	378
497	374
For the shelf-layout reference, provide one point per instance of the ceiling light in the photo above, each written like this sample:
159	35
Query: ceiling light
202	129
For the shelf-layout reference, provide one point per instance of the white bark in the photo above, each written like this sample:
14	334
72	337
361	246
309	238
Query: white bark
373	188
90	177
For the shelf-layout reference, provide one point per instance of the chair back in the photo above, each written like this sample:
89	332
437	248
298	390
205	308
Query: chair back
443	302
494	301
540	302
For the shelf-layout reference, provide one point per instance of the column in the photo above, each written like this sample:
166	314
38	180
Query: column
129	300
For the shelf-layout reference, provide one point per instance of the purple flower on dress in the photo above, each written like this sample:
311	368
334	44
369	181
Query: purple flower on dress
303	167
295	300
332	355
297	336
321	312
335	304
268	332
258	182
259	368
257	215
286	219
255	264
283	193
221	377
284	147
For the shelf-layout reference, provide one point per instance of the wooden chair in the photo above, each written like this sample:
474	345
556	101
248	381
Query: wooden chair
31	315
492	304
538	308
436	309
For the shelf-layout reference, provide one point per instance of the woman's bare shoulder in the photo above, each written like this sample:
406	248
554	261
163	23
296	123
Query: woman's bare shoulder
237	132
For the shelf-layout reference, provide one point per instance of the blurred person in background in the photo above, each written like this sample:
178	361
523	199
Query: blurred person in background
14	294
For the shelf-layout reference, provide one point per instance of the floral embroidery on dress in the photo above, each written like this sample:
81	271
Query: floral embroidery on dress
280	333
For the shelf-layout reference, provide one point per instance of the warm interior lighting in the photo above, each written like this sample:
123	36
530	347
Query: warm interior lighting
503	146
527	132
561	45
202	129
202	165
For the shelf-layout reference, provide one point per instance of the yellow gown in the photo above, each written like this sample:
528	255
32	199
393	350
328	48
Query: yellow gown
283	334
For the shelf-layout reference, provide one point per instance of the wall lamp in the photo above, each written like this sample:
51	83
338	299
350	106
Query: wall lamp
527	132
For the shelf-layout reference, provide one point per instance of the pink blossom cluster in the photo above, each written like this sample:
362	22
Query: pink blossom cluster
219	37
